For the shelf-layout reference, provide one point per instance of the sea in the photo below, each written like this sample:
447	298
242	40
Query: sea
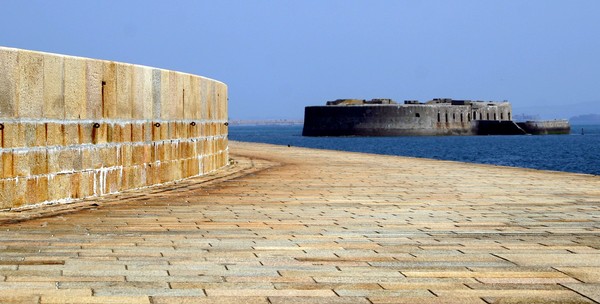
577	152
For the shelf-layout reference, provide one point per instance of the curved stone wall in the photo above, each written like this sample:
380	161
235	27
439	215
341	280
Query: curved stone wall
74	127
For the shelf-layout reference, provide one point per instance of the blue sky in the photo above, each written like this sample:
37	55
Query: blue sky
279	56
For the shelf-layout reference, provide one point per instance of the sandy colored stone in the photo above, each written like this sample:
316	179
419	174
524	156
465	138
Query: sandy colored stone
94	89
75	95
30	85
9	93
54	100
295	224
125	91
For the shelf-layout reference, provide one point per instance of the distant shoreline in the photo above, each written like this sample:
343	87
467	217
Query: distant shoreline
266	122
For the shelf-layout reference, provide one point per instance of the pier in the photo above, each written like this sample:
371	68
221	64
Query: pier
293	225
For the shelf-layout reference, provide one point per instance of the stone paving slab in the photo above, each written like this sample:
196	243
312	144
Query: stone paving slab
294	225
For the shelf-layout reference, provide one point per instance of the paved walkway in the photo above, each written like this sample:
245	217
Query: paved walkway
292	225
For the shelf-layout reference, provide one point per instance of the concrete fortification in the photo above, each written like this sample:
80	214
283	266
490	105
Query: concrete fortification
441	116
74	127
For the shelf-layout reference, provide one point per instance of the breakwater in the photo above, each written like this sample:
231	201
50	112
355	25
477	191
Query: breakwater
570	153
74	127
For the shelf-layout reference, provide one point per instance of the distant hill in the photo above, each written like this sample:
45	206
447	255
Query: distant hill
585	119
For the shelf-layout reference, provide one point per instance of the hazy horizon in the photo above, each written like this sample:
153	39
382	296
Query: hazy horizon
279	56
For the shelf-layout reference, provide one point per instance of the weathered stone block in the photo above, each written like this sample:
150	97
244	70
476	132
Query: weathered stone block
7	165
223	102
148	153
40	135
195	99
53	163
54	98
39	162
86	159
166	105
204	93
75	88
148	130
99	182
126	155
77	159
174	130
157	83
94	89
138	177
85	133
109	90
19	187
75	180
42	188
177	169
200	146
126	179
171	130
108	156
59	187
155	131
187	100
160	153
7	193
141	82
21	164
164	131
26	135
31	85
137	133
86	184
166	173
71	134
113	180
100	133
124	91
177	95
137	155
192	130
9	93
34	191
148	174
66	159
194	166
210	101
126	133
54	134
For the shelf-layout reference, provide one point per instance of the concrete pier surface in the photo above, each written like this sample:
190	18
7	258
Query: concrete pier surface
295	225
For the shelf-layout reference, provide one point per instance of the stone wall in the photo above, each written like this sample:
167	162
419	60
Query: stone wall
399	120
74	127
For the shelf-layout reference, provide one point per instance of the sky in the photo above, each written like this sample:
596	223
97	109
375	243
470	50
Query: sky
279	56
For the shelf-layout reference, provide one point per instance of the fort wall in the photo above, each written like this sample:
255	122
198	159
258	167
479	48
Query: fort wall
74	127
394	119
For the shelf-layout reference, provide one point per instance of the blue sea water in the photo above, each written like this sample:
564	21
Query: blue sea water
571	153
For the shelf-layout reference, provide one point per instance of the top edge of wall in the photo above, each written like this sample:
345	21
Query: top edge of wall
5	48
